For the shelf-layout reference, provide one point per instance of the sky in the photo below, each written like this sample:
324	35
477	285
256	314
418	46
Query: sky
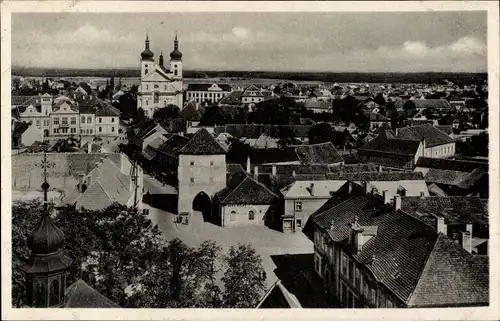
333	41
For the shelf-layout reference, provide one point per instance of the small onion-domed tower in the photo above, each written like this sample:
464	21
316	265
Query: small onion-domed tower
46	268
176	60
147	59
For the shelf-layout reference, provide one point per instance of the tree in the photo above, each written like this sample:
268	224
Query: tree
213	116
379	99
238	151
286	137
428	113
320	133
244	279
410	107
168	112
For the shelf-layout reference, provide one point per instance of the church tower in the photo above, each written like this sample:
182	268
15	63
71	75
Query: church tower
147	59
46	268
176	60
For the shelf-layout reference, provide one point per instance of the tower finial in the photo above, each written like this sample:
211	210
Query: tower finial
45	185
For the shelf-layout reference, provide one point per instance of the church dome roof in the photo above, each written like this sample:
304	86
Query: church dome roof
176	54
47	239
147	54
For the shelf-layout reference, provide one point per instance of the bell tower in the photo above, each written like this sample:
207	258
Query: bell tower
176	60
46	268
147	59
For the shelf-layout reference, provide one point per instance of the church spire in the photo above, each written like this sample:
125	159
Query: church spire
176	54
160	62
147	41
46	283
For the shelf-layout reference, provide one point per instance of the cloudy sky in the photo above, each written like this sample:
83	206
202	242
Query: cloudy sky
390	41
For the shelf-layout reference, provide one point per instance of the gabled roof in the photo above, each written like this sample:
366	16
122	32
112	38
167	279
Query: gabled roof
249	191
82	295
202	143
431	134
450	164
324	153
19	128
173	145
107	111
435	265
234	98
24	100
189	112
432	103
278	297
206	87
392	146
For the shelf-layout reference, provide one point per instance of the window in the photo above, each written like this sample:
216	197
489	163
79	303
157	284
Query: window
357	277
73	120
351	270
112	129
147	87
64	130
156	98
232	216
73	130
192	179
342	291
38	123
299	223
41	295
147	102
91	131
45	122
344	261
112	119
55	130
298	206
89	120
191	163
100	129
175	72
211	163
54	293
82	120
251	215
100	120
65	120
365	289
389	304
373	296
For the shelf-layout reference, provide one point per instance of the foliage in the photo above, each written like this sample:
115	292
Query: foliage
477	146
168	112
286	137
244	278
379	99
320	133
215	116
122	255
238	151
127	104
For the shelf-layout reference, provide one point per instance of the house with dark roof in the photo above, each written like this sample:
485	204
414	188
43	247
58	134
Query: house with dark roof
455	177
278	297
308	193
314	154
440	106
145	133
371	254
81	295
438	144
207	93
25	134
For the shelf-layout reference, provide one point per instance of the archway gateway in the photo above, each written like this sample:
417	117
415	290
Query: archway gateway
203	204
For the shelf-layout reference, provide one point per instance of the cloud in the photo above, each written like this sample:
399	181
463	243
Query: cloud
240	32
460	49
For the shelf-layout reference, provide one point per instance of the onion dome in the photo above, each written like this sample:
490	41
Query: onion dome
47	239
176	54
147	54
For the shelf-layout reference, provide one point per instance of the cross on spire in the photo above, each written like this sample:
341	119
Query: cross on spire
45	185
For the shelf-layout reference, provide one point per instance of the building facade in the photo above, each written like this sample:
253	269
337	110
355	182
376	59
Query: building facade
211	93
160	85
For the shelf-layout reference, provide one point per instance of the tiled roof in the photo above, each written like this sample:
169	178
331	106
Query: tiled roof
234	98
203	143
324	153
460	179
249	191
432	103
108	111
81	295
447	129
377	176
173	145
450	164
274	155
278	297
452	277
431	134
410	277
24	100
254	130
189	112
455	209
392	146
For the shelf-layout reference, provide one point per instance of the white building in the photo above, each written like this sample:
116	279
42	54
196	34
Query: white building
160	85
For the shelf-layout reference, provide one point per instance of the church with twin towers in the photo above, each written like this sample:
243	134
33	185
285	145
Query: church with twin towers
160	82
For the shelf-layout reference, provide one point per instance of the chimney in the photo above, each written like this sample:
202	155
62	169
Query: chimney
387	197
274	170
466	241
74	96
349	187
380	168
90	147
81	181
440	225
90	97
367	188
293	173
312	189
332	225
181	134
397	202
422	194
468	228
396	130
256	172
248	164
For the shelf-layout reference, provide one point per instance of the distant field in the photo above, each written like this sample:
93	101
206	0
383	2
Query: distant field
265	76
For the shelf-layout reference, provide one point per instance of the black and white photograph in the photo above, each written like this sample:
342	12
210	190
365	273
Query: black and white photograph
249	159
